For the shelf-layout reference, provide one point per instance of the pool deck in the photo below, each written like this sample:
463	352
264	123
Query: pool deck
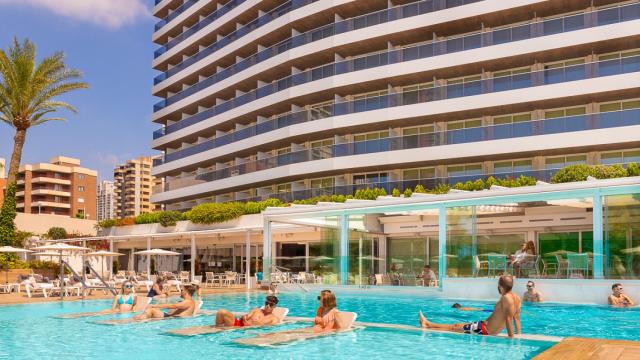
22	298
590	349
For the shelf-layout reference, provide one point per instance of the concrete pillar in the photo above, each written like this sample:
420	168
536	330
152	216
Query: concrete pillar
193	256
266	251
442	244
598	231
247	258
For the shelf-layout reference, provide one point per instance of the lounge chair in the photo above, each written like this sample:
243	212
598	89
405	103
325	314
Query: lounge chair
196	312
32	286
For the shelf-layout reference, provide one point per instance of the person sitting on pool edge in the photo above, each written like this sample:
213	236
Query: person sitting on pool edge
532	294
506	313
255	317
325	319
464	308
185	308
617	298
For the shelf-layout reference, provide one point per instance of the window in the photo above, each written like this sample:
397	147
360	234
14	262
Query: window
620	157
370	95
322	183
500	167
620	105
618	55
283	188
371	136
321	143
321	110
371	178
81	177
81	188
461	170
81	200
417	174
426	129
511	72
557	113
464	124
464	80
558	162
509	119
417	87
283	151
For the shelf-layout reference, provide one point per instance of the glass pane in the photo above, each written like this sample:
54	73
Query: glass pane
621	236
460	241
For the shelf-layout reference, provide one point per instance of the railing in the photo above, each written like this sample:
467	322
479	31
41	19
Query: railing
359	22
548	27
518	81
487	133
179	10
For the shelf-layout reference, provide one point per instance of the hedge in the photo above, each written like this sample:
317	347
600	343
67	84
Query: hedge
580	172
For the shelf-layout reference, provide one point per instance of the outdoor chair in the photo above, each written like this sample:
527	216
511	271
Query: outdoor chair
562	264
480	265
210	279
497	264
197	280
184	276
229	278
530	264
578	264
546	266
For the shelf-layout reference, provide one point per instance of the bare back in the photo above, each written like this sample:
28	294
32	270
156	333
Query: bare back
503	312
185	308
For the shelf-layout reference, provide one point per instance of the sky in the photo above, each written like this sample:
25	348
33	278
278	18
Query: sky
110	42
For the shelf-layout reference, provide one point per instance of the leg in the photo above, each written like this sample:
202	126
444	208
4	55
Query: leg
225	318
150	313
446	327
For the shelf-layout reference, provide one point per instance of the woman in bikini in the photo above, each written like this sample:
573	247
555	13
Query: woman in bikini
325	319
126	300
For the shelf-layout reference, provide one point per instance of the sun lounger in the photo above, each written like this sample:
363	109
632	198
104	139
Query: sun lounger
280	313
141	304
345	322
196	313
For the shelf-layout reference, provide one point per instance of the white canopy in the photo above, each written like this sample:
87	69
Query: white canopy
104	253
60	247
11	249
156	252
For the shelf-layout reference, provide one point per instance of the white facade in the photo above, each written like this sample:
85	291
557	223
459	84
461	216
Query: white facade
106	200
300	98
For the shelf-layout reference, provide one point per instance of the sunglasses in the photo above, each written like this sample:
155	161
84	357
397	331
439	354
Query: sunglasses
128	286
529	286
269	304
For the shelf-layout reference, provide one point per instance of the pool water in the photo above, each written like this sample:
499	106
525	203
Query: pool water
33	331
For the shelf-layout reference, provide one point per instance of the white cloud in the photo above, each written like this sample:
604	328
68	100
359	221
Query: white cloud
109	13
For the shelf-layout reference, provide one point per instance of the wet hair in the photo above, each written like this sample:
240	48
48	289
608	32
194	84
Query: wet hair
328	301
506	282
456	306
159	280
531	282
614	286
272	299
191	289
427	266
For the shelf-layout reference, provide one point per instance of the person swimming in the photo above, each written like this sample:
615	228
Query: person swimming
256	317
185	308
463	308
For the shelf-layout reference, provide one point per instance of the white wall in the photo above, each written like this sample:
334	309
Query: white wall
41	223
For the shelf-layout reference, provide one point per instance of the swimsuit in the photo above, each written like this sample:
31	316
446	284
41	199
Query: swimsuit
238	322
167	315
129	300
478	328
152	293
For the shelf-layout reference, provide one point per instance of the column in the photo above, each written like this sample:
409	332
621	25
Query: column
194	254
598	232
474	238
306	257
266	251
344	249
442	244
110	267
247	258
149	256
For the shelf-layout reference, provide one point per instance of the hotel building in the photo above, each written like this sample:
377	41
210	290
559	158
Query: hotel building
106	201
59	187
133	185
298	98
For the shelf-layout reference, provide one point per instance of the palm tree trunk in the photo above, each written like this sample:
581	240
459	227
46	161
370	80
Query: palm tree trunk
16	156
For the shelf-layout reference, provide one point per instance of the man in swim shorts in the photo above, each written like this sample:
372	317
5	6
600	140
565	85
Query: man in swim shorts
506	313
185	308
256	317
618	299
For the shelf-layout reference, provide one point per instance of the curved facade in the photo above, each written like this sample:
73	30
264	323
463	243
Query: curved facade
298	98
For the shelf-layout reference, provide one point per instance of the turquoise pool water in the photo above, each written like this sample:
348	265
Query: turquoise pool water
33	331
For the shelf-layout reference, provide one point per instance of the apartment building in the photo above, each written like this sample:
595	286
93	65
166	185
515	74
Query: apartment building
59	187
133	184
106	201
298	98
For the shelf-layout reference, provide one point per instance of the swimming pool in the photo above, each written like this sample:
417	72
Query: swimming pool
33	332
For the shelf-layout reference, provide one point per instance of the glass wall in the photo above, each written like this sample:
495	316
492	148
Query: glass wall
622	236
407	257
461	241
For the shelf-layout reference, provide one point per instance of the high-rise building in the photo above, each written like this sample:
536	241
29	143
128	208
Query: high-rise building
60	187
106	201
298	98
133	186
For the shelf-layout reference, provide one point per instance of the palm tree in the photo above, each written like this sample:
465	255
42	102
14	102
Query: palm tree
28	90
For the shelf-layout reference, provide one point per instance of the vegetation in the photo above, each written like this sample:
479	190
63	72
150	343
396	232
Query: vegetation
407	193
7	215
323	198
56	233
164	218
395	192
28	92
369	194
580	172
211	213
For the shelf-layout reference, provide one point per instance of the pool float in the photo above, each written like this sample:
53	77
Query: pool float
279	312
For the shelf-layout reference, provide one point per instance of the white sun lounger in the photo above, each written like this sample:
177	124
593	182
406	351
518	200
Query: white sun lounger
280	313
141	304
196	313
345	322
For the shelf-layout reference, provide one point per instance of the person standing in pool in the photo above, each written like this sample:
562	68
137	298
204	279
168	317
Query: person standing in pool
126	300
185	308
256	317
532	294
506	313
618	299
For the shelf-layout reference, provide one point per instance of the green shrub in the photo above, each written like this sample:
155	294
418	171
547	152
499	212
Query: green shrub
478	185
105	224
440	189
56	233
633	169
572	173
525	181
253	207
420	189
609	172
395	192
369	194
490	182
211	213
407	193
170	218
147	218
7	215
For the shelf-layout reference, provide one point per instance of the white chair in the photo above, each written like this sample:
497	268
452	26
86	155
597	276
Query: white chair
345	319
184	276
31	285
210	279
197	280
229	278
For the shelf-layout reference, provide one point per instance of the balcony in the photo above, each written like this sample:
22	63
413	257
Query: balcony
179	10
50	180
479	40
356	23
50	192
519	81
51	204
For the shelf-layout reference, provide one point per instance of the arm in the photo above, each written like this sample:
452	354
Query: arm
629	301
114	304
609	300
516	320
135	301
183	305
508	312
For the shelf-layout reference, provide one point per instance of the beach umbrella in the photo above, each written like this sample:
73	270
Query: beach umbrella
60	248
371	258
11	249
321	258
156	252
103	254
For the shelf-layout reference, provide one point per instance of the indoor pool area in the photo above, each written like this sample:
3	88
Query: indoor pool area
36	331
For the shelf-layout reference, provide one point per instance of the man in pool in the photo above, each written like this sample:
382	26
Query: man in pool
532	294
256	317
464	308
185	308
506	313
618	299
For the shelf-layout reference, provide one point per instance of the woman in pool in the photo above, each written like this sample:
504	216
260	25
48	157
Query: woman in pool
126	300
325	319
157	289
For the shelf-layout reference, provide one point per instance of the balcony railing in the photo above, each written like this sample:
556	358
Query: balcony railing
518	81
487	133
359	22
499	36
179	10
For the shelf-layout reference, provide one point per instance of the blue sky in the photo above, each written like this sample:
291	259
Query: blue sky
113	121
